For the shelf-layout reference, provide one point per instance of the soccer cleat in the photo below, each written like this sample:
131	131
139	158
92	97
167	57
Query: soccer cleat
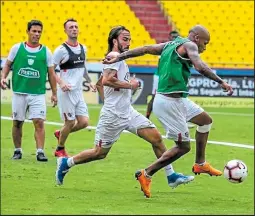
176	179
41	157
61	153
144	182
206	168
57	134
62	170
17	155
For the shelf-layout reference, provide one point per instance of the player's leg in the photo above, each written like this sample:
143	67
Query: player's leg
19	106
108	131
37	112
196	115
67	112
82	115
146	130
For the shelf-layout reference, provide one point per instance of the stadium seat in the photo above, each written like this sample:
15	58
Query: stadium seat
95	19
231	24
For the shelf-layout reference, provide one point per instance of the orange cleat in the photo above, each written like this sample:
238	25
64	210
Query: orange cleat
61	153
206	168
144	182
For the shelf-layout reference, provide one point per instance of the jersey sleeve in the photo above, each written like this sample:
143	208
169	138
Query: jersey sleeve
49	58
57	55
114	66
13	52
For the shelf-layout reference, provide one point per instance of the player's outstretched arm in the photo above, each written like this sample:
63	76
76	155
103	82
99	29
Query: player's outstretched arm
203	68
155	49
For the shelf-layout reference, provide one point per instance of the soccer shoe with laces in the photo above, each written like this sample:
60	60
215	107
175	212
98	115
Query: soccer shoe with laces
62	170
17	155
144	182
206	168
41	157
177	179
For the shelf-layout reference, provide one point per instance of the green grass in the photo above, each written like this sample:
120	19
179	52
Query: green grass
108	186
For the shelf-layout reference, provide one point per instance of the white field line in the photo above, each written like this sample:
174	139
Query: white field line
213	113
93	128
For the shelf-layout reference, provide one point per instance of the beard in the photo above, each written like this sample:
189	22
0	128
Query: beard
121	49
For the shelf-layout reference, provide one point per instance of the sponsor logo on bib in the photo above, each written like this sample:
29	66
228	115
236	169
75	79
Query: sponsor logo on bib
29	73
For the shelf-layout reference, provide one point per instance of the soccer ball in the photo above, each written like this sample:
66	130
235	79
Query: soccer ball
235	171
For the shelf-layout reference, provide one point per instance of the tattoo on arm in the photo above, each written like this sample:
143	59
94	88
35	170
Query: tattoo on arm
110	79
140	51
199	65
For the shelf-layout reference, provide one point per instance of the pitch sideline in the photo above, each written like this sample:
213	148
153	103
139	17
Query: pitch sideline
93	128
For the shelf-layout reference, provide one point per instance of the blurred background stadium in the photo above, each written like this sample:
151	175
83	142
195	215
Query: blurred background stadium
231	24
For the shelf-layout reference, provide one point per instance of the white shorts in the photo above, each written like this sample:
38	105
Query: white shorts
71	104
154	84
110	126
174	113
34	105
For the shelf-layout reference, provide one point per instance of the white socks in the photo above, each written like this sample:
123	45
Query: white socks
70	162
169	170
39	151
18	149
201	164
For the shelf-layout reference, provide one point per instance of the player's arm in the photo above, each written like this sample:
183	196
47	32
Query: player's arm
52	80
8	65
5	72
155	49
203	68
52	77
100	88
88	79
57	58
109	79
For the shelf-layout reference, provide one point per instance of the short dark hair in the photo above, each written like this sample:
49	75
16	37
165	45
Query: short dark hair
114	33
69	20
33	23
173	32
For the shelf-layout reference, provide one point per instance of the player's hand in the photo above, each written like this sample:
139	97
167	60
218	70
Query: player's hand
227	88
3	83
93	87
109	59
135	83
54	100
64	86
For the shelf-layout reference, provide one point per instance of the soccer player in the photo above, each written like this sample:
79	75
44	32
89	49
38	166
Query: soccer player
172	36
117	114
31	63
171	105
71	58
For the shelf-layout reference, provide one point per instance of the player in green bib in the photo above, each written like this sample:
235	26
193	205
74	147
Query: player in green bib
31	64
171	105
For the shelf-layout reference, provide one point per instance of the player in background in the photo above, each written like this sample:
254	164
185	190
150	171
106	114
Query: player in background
71	58
31	63
171	105
172	35
117	114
